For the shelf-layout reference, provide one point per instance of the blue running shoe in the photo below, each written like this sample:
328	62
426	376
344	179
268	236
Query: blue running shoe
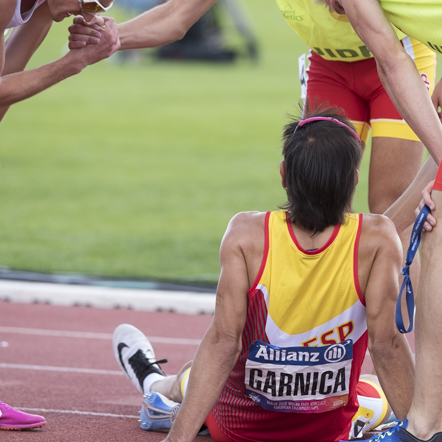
399	433
158	413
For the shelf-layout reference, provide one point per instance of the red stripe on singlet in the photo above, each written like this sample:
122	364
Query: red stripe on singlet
355	262
234	407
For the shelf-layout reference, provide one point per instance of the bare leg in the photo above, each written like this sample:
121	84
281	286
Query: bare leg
393	165
425	417
170	386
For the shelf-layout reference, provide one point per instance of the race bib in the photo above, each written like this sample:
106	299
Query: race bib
299	379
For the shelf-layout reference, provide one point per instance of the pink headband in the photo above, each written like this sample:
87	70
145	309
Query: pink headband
309	120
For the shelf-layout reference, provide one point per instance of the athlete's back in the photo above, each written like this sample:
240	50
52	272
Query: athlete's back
294	304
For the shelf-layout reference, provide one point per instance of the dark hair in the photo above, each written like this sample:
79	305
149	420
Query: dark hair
321	158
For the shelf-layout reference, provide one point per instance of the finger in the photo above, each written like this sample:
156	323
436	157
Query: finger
429	224
428	201
431	220
91	19
76	44
86	39
80	28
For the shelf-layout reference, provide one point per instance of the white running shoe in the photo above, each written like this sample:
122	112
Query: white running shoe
135	355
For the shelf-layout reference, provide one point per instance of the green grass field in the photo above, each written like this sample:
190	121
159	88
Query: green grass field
135	171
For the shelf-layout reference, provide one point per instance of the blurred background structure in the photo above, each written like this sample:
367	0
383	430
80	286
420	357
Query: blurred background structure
206	40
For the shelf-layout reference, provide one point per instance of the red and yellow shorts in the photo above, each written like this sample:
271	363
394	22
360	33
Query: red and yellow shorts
356	88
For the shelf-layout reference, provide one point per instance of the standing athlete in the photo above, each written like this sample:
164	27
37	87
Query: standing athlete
342	72
373	20
302	291
31	21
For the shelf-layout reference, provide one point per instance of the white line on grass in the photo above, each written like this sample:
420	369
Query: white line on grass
87	413
87	335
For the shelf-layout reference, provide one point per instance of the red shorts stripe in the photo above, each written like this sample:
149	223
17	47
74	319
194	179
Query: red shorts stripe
215	431
438	180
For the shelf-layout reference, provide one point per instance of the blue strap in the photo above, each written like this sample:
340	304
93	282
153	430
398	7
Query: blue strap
412	249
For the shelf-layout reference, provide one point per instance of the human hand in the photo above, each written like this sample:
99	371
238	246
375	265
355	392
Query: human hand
426	199
436	98
101	32
83	32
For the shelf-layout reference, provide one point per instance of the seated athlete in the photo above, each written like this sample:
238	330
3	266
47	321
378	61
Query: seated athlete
301	294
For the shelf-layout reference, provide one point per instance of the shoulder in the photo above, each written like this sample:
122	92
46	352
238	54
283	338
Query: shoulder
245	232
379	233
245	225
379	224
7	8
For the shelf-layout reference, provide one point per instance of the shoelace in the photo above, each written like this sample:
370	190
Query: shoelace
387	432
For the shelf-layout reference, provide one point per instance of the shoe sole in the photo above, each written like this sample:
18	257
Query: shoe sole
22	427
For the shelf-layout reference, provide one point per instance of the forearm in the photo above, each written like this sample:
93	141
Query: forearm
163	24
19	86
394	364
211	367
402	211
411	98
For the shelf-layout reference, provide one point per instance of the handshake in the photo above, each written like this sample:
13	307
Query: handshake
93	40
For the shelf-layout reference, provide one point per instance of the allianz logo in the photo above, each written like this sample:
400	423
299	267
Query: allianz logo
335	353
269	354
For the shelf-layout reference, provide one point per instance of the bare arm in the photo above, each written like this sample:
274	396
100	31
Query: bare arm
397	72
161	25
389	349
16	85
220	348
402	211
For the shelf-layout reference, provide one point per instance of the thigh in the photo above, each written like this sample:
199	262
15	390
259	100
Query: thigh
331	82
385	120
373	408
394	163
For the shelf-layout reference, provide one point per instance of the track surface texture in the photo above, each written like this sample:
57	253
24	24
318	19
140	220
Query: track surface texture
58	362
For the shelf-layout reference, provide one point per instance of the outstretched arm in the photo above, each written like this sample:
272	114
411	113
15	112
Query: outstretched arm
220	348
397	72
389	349
16	84
163	24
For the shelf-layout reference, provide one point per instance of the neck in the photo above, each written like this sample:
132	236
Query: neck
309	240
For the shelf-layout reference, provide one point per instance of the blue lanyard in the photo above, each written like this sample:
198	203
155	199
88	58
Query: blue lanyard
412	249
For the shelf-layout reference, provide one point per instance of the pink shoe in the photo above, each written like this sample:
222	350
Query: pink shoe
11	419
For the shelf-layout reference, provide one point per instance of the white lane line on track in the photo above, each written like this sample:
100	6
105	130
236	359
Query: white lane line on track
61	369
87	413
87	335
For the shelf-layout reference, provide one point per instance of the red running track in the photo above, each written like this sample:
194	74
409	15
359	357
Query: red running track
58	362
47	369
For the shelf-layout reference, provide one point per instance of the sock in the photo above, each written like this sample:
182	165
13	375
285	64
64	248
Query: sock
150	379
184	382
